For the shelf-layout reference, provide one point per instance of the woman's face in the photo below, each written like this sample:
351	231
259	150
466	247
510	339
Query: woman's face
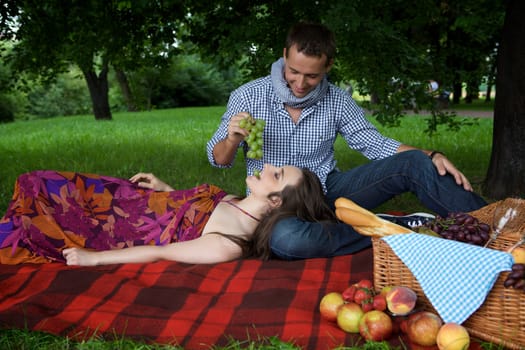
303	73
273	179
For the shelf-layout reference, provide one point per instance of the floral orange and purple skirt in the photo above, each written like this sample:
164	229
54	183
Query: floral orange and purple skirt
53	210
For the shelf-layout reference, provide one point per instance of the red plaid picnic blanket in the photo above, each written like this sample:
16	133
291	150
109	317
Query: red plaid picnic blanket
193	306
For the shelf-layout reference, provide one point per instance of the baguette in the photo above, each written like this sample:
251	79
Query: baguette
364	221
356	218
343	202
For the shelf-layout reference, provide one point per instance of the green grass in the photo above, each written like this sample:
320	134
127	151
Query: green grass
171	144
476	105
168	143
21	339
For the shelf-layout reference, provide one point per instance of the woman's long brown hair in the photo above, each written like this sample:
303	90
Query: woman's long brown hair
305	201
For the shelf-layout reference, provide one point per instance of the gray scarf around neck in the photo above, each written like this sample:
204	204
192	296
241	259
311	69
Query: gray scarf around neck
285	93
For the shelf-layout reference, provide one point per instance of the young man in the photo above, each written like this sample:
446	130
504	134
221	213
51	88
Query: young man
304	113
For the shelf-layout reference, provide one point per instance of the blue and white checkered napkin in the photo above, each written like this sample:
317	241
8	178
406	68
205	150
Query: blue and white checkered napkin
456	277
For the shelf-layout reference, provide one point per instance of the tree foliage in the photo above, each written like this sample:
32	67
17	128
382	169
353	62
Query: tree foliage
94	35
185	81
389	50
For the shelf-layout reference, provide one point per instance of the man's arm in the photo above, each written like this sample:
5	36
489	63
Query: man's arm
222	147
442	164
224	151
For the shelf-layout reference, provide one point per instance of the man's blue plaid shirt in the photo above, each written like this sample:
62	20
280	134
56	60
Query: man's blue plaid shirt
310	142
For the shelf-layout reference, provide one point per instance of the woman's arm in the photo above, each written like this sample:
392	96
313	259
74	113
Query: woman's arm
207	249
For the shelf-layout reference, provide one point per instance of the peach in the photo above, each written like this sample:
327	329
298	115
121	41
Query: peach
400	300
453	336
423	327
348	317
330	304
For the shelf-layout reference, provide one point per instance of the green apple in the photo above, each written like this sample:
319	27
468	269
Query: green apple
348	317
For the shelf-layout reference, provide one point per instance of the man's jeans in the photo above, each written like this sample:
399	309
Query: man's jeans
370	185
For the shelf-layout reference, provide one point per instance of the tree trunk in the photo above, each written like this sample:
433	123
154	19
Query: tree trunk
489	92
472	91
125	89
490	81
98	89
506	173
457	90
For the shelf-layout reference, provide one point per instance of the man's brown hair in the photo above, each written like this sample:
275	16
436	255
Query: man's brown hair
312	39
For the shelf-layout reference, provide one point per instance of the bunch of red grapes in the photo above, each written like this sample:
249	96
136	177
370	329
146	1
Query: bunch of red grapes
461	227
516	278
465	228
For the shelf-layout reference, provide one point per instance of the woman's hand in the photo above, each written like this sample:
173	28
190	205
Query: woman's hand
148	180
79	256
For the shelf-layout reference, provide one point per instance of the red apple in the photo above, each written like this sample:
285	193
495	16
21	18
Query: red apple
349	293
399	324
403	322
401	300
375	325
348	317
379	302
329	305
453	336
423	327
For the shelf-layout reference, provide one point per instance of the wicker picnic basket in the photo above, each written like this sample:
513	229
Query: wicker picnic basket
501	318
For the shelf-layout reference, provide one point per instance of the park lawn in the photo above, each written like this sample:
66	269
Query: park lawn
171	143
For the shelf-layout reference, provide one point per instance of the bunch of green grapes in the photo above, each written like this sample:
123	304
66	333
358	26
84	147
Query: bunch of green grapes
254	139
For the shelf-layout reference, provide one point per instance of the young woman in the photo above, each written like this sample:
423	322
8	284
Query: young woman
86	219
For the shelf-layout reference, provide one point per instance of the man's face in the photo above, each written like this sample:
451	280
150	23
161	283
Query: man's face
303	73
